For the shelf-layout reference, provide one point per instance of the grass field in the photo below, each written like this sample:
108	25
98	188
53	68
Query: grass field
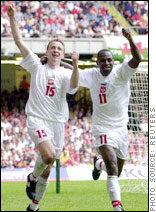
74	196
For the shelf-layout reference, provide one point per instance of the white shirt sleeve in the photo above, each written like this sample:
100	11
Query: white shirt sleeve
124	71
67	77
31	62
86	77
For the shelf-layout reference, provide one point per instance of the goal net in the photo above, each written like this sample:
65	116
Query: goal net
138	115
138	127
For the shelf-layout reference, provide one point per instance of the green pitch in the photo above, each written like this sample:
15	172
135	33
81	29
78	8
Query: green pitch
74	196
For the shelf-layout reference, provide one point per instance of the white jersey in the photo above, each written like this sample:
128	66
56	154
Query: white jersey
48	88
110	94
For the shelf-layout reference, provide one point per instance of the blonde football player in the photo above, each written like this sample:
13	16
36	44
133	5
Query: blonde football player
47	108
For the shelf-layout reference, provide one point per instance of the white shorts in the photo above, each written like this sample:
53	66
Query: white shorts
41	130
116	138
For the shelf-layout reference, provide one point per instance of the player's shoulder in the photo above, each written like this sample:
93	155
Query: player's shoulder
116	69
62	71
122	66
31	62
91	71
32	55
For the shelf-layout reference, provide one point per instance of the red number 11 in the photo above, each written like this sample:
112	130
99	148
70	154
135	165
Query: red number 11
102	97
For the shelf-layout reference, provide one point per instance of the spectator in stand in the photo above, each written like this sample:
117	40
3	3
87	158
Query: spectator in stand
113	21
24	85
84	22
77	9
18	13
24	6
79	33
70	6
44	34
108	16
105	21
88	32
44	24
97	32
6	31
36	11
118	29
34	33
22	22
136	18
60	33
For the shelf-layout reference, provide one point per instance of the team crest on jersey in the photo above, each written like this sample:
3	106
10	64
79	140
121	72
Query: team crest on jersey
51	81
103	89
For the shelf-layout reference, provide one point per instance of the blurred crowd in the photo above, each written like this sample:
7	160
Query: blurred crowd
18	150
136	12
72	19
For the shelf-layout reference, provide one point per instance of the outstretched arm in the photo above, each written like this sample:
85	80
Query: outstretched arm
136	59
15	31
75	75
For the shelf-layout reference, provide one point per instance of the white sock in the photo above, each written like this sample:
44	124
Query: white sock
33	178
100	165
34	205
39	168
41	187
113	188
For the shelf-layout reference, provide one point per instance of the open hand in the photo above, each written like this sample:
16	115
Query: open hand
126	33
10	10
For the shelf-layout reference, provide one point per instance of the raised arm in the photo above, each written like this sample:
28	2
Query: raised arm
136	56
15	31
75	75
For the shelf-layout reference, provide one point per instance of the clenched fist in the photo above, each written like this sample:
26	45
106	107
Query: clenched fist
75	56
126	33
10	10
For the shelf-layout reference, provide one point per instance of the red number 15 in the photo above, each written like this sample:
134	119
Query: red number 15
50	91
41	133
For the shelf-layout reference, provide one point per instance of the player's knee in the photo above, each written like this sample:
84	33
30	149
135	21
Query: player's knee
112	169
49	158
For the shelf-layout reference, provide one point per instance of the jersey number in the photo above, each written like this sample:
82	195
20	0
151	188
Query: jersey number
103	139
41	133
50	91
102	97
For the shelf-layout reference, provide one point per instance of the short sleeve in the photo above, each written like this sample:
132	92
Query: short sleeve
31	62
124	71
85	77
66	77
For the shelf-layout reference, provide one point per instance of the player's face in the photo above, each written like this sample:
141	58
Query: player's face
55	51
105	63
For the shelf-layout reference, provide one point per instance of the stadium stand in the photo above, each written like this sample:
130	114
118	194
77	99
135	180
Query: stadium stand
70	19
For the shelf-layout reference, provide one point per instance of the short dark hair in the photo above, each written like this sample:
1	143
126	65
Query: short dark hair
103	51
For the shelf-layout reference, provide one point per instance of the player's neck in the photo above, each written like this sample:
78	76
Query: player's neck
53	64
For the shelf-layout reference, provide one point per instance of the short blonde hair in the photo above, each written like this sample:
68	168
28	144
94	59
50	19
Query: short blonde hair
57	40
